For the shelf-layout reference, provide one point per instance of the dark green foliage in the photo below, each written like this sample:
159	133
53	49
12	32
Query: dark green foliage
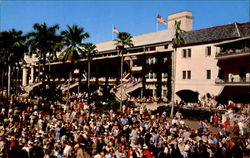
159	70
123	40
105	106
169	72
73	38
189	114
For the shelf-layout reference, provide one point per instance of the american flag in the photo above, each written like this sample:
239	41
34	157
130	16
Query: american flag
161	20
115	30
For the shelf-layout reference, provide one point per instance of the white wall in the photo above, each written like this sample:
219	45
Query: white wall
199	63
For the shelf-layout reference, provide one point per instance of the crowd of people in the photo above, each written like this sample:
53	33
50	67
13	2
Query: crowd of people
54	130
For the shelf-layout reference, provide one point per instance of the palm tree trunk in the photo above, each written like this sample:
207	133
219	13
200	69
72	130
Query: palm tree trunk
106	77
97	76
88	74
2	81
159	75
173	83
121	82
79	82
143	73
8	91
70	74
39	70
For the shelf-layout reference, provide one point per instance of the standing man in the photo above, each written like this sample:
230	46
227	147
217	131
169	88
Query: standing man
2	147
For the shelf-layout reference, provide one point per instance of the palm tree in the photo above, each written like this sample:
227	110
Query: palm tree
12	51
123	40
89	52
73	39
177	41
43	41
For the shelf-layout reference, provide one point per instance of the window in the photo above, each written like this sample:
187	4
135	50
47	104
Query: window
150	61
208	51
166	46
164	75
165	59
189	74
183	74
164	93
153	60
184	55
154	75
208	74
186	74
189	53
152	48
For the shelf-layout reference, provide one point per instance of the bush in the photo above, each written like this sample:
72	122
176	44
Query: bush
190	114
107	106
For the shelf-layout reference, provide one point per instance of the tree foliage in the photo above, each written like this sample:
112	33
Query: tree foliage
12	44
178	40
123	40
73	39
43	40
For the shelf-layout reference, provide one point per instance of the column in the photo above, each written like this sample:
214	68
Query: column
32	74
24	80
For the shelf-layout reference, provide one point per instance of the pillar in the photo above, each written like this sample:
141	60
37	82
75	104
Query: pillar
24	80
32	75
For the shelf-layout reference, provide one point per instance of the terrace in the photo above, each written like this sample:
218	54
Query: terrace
234	80
233	49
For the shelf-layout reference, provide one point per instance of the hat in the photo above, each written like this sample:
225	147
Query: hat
145	146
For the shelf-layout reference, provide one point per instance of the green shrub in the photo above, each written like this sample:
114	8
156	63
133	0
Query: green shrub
190	114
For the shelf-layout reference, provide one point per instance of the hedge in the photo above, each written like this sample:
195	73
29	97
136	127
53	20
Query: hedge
190	114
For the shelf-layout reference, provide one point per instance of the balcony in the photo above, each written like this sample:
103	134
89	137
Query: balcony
232	53
234	80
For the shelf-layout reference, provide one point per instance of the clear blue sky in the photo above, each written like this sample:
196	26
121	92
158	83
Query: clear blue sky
135	17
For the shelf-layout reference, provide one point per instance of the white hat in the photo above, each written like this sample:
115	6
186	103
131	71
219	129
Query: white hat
145	146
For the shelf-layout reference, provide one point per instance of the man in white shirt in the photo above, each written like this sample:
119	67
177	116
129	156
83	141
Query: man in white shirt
67	150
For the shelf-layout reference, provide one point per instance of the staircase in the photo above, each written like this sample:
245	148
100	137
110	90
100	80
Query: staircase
28	88
64	87
122	91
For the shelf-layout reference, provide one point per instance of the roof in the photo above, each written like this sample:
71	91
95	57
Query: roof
206	35
231	41
141	40
217	33
244	29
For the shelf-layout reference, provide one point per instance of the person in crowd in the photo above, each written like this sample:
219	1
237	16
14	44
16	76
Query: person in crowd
70	131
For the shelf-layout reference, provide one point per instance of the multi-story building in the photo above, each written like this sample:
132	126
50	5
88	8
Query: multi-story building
150	60
196	67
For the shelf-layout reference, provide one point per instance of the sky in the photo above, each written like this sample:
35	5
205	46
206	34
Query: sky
135	17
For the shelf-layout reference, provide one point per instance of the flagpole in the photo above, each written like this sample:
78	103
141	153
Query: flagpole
157	22
112	32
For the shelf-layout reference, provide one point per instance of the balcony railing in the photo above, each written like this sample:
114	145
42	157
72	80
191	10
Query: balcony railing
232	53
136	68
236	80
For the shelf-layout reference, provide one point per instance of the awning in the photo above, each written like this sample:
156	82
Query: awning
188	95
